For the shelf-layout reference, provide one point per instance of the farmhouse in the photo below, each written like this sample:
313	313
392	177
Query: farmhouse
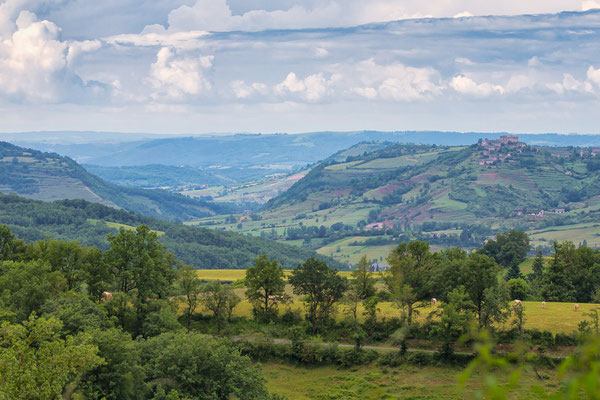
379	267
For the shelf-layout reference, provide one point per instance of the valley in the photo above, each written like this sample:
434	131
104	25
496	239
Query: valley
365	200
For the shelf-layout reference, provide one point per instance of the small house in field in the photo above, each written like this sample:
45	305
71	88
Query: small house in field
559	211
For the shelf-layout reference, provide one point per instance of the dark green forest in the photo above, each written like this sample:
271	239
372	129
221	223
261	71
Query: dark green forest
85	222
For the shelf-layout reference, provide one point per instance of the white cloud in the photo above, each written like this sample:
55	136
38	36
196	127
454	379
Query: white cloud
593	75
157	35
312	88
33	60
570	84
520	82
464	14
242	90
394	81
468	86
217	15
533	62
321	52
175	77
589	5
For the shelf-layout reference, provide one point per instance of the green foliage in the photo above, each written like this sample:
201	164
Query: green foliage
409	279
190	288
519	289
508	249
266	287
70	220
26	286
220	300
36	363
201	368
363	280
321	286
453	320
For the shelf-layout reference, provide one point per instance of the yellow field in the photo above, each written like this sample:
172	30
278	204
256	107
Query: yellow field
557	317
230	275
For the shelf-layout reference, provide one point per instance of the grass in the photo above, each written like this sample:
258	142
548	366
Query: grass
118	226
557	317
379	382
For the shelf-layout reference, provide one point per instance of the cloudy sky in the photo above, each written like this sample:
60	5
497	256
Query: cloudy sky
196	66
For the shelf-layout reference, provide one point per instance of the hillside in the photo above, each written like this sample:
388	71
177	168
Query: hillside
356	202
277	152
48	177
90	223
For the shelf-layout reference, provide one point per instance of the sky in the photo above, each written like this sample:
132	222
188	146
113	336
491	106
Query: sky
206	66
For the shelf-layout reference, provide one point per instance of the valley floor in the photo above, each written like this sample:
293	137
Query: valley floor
380	382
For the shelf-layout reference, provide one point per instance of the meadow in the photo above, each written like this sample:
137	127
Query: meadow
380	382
556	317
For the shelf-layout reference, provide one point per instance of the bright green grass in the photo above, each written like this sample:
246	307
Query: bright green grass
118	226
575	233
377	382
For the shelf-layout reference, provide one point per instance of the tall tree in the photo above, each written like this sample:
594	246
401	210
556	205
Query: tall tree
220	300
558	284
6	243
36	364
508	248
321	285
411	274
97	274
191	288
266	286
363	279
538	267
142	268
479	273
66	257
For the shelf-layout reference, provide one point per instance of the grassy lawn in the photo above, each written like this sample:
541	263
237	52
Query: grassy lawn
379	382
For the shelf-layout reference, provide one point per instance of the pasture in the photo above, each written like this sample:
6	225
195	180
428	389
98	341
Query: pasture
557	317
378	382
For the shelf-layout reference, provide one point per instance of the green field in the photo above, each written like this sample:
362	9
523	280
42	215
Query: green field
378	382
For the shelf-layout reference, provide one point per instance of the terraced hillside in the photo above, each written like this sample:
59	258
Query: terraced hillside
448	195
49	177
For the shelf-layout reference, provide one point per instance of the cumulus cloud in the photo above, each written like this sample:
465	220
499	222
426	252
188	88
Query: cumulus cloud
33	60
468	86
312	88
395	81
570	84
593	75
242	90
175	77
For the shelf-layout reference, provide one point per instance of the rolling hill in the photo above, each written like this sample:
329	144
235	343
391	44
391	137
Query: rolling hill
449	195
48	177
276	151
90	223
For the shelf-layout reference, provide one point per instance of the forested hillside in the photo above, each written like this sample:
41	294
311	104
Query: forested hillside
90	223
48	176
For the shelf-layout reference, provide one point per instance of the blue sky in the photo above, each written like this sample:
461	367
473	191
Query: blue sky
199	66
